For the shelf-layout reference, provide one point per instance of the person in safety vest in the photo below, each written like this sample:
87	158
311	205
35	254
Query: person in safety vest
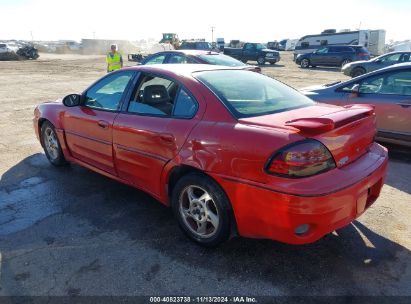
114	59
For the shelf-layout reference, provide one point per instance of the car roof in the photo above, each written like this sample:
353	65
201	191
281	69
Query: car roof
181	69
398	66
396	52
188	52
194	52
346	45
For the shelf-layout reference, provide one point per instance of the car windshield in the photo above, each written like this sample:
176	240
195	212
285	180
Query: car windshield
219	59
248	94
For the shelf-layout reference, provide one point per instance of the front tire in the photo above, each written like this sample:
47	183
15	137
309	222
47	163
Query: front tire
357	72
261	60
305	63
202	209
51	145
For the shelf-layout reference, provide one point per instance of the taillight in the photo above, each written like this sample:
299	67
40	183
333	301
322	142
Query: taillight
301	159
363	54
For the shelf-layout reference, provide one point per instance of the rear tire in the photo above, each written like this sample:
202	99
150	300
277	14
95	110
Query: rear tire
202	209
51	145
357	72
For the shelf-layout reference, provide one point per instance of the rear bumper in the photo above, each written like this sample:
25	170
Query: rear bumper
261	211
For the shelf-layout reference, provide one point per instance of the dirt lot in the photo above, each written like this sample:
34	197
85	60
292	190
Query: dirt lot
73	232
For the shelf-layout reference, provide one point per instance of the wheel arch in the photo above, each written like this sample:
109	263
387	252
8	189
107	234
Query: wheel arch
179	171
40	123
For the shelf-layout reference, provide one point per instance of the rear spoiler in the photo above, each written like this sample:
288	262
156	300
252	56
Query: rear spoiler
333	120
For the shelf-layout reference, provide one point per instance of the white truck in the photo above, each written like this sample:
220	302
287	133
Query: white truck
373	40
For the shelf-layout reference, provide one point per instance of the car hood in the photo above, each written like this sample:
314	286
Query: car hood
313	88
357	63
270	51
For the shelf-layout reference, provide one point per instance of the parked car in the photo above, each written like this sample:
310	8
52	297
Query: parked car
231	151
388	90
337	56
14	51
220	43
196	45
358	68
255	52
193	56
8	47
273	45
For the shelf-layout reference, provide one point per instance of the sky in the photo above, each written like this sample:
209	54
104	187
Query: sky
247	20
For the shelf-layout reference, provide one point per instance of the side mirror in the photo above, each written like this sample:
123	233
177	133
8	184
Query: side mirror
355	90
72	100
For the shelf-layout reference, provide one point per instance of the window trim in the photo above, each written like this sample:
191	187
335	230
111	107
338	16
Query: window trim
137	82
383	73
122	99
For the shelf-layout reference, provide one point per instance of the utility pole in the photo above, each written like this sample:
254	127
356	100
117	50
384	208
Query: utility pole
212	34
31	34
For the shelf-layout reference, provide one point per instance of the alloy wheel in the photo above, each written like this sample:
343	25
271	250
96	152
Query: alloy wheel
199	211
51	143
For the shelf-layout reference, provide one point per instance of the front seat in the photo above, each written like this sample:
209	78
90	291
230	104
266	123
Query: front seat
157	96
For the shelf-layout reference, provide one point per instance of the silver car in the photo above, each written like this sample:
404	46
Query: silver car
388	89
358	68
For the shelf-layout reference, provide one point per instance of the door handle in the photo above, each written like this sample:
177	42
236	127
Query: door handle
404	105
169	139
103	124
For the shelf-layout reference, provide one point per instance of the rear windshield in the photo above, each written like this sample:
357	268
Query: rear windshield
248	94
219	59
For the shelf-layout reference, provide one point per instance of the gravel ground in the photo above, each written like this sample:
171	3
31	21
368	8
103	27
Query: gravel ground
70	231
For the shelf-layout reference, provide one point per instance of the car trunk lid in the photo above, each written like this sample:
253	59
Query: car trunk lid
346	131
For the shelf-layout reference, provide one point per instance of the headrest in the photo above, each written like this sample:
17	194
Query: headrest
155	94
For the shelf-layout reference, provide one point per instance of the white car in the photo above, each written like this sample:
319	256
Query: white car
8	48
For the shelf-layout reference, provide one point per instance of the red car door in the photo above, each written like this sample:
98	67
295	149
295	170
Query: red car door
89	128
158	119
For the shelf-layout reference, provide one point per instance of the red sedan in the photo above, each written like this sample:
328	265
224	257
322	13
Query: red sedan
231	151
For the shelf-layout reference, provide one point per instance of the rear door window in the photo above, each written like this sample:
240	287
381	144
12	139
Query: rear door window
184	106
406	57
